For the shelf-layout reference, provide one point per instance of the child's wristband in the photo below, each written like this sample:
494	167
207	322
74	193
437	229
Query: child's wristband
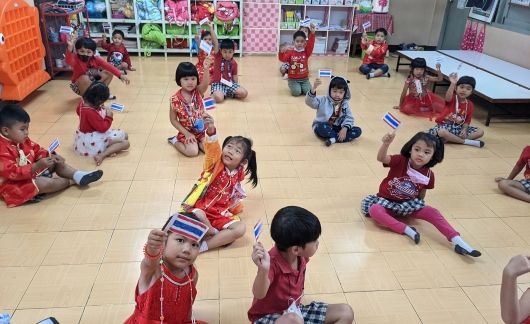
152	257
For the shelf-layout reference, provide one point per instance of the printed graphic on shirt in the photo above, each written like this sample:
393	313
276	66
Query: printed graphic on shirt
297	63
403	188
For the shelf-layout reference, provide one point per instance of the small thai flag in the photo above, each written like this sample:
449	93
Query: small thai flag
367	25
391	120
117	106
209	103
186	226
324	73
305	22
53	146
204	21
106	26
258	228
66	29
206	47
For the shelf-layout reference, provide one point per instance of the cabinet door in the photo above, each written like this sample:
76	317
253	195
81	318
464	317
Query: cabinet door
260	15
260	40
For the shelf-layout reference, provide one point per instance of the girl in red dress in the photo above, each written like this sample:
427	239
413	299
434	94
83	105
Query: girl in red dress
187	107
514	309
420	101
167	285
210	38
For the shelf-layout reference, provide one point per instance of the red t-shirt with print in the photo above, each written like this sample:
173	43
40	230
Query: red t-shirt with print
229	68
524	161
398	186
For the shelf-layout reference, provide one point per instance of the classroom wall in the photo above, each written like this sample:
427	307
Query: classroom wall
499	40
417	21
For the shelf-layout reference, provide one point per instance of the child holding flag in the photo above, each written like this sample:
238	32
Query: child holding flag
26	168
373	65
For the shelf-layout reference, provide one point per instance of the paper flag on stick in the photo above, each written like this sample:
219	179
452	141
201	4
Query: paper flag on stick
186	226
206	47
53	146
391	120
209	103
117	107
324	73
258	228
66	29
367	25
204	21
306	22
106	26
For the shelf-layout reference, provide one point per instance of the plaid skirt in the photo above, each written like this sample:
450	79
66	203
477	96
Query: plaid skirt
526	184
229	92
452	128
400	208
314	313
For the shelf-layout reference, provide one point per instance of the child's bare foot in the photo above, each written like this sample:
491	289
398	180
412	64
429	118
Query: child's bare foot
99	159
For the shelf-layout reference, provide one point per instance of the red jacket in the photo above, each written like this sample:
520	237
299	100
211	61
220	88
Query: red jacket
79	67
92	120
378	54
17	183
111	48
298	61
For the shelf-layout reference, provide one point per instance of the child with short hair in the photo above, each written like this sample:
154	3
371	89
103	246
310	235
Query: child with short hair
279	284
284	67
373	64
86	66
186	108
334	119
403	190
94	136
26	169
298	60
217	196
167	286
209	37
519	189
225	79
453	123
420	101
515	310
117	53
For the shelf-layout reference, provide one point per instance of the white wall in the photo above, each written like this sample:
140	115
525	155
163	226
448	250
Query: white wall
508	45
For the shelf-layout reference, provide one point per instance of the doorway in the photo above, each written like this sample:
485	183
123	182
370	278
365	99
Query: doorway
453	26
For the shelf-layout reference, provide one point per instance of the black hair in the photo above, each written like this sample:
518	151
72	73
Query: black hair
338	83
11	114
85	42
185	69
299	33
433	141
249	155
97	93
119	32
227	44
419	63
294	226
382	30
467	80
205	33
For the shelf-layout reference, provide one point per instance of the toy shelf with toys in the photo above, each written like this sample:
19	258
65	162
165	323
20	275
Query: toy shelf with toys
164	26
332	18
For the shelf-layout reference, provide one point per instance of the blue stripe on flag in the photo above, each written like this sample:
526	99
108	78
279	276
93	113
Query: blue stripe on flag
209	103
54	145
324	73
257	229
394	123
193	230
117	106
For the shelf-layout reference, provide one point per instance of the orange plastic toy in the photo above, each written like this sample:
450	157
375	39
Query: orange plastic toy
21	50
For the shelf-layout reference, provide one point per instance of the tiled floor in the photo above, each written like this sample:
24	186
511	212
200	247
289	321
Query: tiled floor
75	256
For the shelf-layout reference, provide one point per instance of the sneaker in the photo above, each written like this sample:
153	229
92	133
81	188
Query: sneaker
417	236
172	140
91	177
460	250
481	144
368	76
388	74
330	141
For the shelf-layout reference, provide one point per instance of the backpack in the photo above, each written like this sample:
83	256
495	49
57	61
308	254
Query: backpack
177	12
227	17
202	10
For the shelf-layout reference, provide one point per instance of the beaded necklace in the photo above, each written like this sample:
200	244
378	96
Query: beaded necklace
163	278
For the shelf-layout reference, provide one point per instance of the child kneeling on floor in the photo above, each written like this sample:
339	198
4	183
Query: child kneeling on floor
279	284
26	169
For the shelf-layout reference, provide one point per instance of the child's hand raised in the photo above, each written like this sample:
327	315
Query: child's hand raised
261	257
283	48
316	84
207	62
125	79
72	38
453	77
156	241
312	28
518	265
208	122
388	138
438	66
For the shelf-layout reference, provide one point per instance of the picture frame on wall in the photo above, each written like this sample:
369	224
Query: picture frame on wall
486	12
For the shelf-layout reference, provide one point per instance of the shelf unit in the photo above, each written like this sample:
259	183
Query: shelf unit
333	32
132	27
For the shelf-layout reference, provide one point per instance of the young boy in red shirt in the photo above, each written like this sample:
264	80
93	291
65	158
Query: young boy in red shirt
279	284
298	60
374	58
519	189
117	53
224	79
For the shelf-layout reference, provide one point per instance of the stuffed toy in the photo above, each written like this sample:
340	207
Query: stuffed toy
201	10
148	9
226	16
177	12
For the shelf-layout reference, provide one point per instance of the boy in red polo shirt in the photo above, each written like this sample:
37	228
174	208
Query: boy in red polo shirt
279	284
225	81
373	65
519	189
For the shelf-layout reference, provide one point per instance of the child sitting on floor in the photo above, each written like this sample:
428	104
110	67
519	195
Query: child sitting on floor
279	284
117	53
284	67
216	197
519	189
453	124
334	120
373	65
515	310
225	79
26	169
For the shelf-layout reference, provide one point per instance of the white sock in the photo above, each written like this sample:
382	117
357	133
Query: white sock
78	175
332	140
472	142
204	247
457	240
410	232
372	75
